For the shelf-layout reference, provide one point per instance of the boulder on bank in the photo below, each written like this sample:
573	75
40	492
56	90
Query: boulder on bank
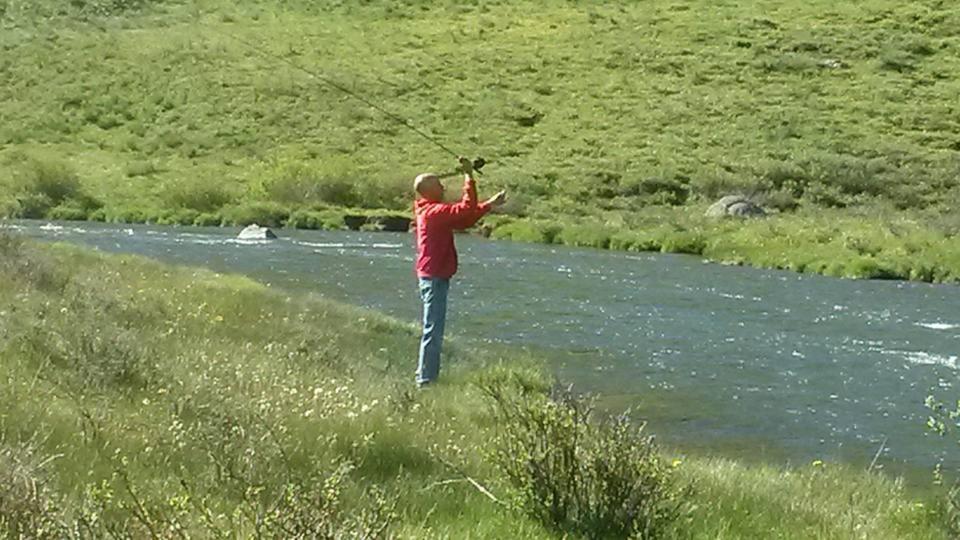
256	232
735	206
389	223
354	222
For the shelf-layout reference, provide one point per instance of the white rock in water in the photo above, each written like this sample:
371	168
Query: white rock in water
256	232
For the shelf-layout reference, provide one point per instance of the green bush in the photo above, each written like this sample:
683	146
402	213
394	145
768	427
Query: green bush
298	183
26	509
200	195
266	214
208	220
33	206
22	263
871	268
127	215
104	8
635	241
141	168
577	471
316	219
183	216
656	190
690	242
783	200
51	178
9	208
527	231
393	191
68	213
50	188
583	235
943	422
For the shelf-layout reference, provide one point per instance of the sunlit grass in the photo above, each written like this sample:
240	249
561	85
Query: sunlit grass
186	385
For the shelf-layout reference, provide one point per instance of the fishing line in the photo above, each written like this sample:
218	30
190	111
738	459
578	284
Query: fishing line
333	84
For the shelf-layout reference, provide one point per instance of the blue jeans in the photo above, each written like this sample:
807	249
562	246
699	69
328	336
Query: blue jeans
433	292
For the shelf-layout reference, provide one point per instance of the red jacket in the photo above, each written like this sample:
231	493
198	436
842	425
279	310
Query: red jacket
435	223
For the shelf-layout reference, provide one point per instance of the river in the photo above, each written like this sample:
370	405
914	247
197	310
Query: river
754	364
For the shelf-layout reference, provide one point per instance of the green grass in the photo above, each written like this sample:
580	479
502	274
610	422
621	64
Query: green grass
202	396
607	113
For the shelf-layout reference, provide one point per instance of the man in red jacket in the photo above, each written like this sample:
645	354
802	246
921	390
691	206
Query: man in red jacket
437	256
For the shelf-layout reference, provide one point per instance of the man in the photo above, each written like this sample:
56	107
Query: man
437	256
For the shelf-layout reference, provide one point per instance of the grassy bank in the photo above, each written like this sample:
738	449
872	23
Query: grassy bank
152	401
618	122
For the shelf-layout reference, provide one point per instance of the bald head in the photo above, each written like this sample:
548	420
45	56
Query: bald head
428	186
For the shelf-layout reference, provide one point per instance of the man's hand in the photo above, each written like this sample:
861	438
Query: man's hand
497	200
466	165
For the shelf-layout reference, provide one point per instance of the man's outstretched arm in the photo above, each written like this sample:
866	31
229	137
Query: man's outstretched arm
468	211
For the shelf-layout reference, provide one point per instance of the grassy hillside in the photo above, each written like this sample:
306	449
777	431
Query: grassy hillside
598	117
141	400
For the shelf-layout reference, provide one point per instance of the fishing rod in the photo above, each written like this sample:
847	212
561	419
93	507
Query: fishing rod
478	163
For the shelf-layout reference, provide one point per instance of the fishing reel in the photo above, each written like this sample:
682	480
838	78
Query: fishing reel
477	165
477	168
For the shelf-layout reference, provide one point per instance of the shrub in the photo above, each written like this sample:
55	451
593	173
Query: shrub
208	220
943	422
96	355
870	268
893	59
298	183
574	471
50	178
110	7
788	63
316	219
715	187
26	509
33	206
9	208
126	215
182	216
527	231
46	185
384	192
585	236
263	213
141	168
782	200
689	242
200	195
634	241
19	263
656	190
68	213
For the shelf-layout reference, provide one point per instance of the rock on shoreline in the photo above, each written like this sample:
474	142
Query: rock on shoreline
735	206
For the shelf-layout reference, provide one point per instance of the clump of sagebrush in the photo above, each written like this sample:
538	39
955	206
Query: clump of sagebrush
51	188
202	195
21	263
296	183
943	421
575	470
26	508
309	507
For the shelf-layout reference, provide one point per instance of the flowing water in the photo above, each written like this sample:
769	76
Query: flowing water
756	364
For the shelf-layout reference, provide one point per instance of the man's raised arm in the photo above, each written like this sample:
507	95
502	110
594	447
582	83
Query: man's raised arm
468	211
